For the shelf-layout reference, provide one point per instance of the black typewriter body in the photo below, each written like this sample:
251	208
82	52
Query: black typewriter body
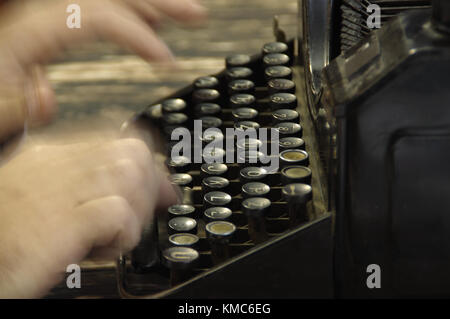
374	116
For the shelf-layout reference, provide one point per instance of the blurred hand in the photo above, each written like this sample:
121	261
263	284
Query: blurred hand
35	32
61	203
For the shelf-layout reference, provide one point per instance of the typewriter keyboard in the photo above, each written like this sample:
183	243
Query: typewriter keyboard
230	207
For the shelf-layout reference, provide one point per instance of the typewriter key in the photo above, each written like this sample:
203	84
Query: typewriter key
297	196
207	109
283	101
285	115
213	169
273	59
181	179
219	234
217	198
214	155
215	183
238	73
179	164
205	95
250	158
178	119
248	144
210	121
184	240
180	261
210	136
294	157
278	72
295	174
281	86
181	210
242	100
255	189
244	114
287	129
291	142
206	82
245	125
217	213
173	106
256	208
241	86
275	47
237	60
251	174
182	225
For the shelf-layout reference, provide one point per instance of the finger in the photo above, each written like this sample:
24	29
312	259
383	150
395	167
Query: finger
187	11
43	107
118	26
146	10
107	223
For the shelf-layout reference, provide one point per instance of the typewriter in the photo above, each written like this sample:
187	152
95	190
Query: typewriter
363	184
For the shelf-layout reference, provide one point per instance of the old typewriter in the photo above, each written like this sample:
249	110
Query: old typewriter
363	183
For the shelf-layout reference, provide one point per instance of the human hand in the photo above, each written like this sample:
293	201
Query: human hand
35	32
61	203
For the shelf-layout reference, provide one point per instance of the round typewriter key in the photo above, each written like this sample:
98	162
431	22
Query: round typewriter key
285	115
248	144
238	73
237	60
295	174
207	109
217	213
291	142
175	118
210	121
214	155
281	86
242	100
180	261
219	234
278	72
244	114
183	210
283	101
294	157
245	125
205	95
173	106
251	174
179	164
287	129
256	208
272	59
213	169
184	240
182	225
206	82
181	180
249	158
297	195
217	199
213	134
255	189
215	183
275	47
241	86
